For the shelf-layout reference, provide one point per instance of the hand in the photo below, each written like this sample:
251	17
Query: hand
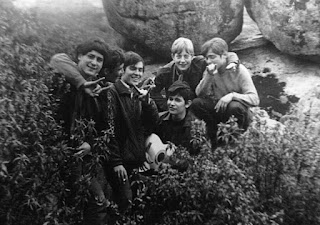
223	102
93	88
121	173
232	66
212	69
83	150
148	84
144	95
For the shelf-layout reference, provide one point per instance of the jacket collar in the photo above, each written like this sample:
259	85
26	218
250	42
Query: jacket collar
187	120
122	88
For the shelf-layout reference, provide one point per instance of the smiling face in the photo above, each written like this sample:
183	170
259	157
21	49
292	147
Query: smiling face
182	60
90	63
133	73
177	106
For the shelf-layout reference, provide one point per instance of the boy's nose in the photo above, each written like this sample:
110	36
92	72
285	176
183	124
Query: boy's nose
94	61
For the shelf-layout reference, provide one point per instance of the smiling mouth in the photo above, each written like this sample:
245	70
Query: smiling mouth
92	68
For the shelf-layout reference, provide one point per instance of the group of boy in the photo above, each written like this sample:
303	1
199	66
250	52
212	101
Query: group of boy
106	89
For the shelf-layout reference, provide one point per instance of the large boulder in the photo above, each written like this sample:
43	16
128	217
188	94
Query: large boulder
155	24
293	26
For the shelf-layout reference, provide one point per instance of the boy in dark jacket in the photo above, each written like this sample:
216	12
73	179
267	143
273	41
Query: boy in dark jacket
175	125
77	105
130	114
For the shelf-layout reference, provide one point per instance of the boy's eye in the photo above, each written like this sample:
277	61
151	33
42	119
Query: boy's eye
90	56
100	59
132	68
186	56
211	56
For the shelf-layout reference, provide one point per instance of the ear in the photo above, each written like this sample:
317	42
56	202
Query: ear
172	55
188	103
79	57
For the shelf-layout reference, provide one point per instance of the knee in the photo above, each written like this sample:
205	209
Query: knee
197	102
235	107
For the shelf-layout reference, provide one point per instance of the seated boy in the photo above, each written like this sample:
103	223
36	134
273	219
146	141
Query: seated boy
175	125
223	93
184	66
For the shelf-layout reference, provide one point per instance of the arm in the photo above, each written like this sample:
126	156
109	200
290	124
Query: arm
204	88
156	95
150	116
249	93
232	57
63	64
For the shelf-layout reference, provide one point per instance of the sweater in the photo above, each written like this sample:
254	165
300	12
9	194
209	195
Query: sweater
238	82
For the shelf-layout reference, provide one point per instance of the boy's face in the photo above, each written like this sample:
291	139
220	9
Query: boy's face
182	60
90	63
115	74
213	58
177	105
132	74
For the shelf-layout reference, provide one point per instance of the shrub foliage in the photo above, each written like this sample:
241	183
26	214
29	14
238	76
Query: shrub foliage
262	177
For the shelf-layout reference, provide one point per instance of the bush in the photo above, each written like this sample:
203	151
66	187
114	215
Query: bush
258	177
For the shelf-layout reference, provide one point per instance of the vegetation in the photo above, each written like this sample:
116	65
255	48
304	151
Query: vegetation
264	177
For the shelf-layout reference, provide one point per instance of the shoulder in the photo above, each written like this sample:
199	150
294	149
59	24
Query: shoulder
166	68
198	59
243	71
164	115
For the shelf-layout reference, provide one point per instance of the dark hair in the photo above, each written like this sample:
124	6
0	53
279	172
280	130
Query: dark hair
181	88
116	59
217	45
132	58
95	44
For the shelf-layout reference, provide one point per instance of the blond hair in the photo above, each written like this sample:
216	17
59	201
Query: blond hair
181	44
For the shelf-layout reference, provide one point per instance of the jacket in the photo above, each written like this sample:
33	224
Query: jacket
177	132
129	121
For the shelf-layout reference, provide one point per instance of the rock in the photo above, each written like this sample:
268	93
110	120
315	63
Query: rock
155	24
250	37
308	109
262	122
292	26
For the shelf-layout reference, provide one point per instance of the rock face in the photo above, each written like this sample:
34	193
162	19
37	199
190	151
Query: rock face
155	24
293	26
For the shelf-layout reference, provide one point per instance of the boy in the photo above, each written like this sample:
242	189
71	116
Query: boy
223	92
184	66
175	124
130	115
77	105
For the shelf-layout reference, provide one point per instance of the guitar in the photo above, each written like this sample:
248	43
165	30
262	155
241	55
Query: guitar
156	152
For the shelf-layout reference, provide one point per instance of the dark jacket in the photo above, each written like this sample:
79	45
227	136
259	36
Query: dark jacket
169	74
179	132
129	121
75	105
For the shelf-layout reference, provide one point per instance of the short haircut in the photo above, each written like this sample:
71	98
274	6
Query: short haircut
217	45
181	44
181	88
132	58
116	59
95	44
